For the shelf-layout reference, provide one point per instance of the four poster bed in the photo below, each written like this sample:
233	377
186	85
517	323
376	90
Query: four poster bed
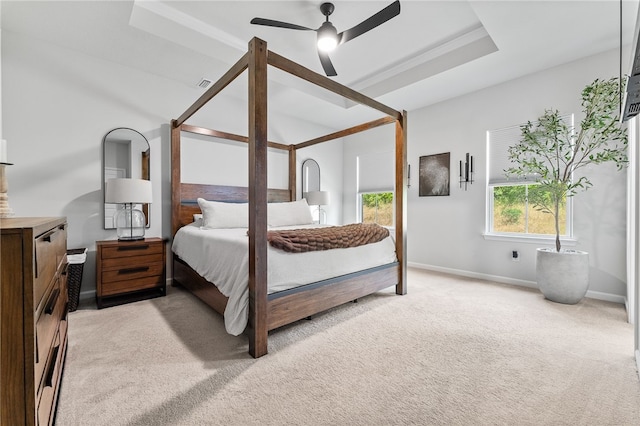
268	308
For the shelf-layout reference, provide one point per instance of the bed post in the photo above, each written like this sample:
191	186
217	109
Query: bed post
293	169
176	179
257	326
401	201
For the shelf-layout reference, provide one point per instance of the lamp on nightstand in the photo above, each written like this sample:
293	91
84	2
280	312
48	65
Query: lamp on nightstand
130	222
318	198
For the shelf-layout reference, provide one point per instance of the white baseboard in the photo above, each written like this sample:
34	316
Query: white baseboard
507	280
470	274
608	297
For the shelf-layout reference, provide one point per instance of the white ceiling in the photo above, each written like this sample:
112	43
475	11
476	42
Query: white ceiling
432	51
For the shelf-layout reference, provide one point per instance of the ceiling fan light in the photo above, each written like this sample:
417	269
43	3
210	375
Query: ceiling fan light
327	44
327	37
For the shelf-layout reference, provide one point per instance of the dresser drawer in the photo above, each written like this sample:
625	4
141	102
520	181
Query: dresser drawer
50	251
47	326
48	388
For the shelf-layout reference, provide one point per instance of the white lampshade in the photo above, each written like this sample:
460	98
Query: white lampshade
122	190
130	222
317	198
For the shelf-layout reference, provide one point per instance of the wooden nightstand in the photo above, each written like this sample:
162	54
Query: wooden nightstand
128	271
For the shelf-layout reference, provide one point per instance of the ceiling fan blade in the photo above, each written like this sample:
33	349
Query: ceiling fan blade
326	64
370	23
279	24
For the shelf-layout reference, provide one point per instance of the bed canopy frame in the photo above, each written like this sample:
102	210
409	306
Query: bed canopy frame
269	311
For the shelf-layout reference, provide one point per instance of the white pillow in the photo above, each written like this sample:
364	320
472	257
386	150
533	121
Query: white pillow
289	213
197	219
216	214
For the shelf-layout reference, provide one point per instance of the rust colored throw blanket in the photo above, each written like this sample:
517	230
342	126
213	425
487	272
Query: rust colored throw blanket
314	239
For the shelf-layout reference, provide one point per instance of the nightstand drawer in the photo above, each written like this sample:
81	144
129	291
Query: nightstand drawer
130	262
133	271
128	249
120	287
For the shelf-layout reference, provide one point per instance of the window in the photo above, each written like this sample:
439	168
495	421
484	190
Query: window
377	207
511	202
376	179
514	211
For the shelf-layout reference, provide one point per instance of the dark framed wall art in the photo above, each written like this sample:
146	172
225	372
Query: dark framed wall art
435	172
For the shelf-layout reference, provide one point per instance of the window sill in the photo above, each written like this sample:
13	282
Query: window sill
530	239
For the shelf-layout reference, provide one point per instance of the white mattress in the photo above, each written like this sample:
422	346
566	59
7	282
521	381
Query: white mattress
221	256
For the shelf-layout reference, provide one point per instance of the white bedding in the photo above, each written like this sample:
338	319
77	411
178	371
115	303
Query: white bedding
221	256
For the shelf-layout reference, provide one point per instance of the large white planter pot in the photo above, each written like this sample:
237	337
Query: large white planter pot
562	276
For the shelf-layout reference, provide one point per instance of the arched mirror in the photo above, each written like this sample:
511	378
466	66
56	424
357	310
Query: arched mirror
126	154
310	176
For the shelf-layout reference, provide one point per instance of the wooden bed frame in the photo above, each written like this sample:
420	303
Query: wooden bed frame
270	311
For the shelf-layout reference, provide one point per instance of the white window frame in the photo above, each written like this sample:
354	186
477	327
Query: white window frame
567	239
489	234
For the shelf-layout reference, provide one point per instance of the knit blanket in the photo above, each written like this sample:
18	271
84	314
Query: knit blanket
332	237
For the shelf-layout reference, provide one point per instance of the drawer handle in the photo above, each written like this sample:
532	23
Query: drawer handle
51	304
48	237
133	270
135	247
52	367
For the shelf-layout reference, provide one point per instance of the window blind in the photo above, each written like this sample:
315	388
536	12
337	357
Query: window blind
376	172
498	143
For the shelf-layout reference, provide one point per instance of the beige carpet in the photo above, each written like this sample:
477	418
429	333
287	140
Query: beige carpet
452	351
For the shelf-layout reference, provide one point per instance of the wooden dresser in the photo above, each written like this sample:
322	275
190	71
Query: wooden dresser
33	318
128	271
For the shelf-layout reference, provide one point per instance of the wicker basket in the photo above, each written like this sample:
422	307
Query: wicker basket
74	277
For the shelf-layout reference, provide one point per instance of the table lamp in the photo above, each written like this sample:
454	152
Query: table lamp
318	198
130	222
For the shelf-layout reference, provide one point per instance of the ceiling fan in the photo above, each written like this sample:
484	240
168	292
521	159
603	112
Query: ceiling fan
328	36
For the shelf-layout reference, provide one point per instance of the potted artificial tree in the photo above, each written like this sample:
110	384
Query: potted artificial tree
549	152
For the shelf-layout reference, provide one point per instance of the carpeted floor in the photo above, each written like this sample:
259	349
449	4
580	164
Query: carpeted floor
453	351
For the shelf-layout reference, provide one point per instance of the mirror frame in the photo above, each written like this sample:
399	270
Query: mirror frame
145	169
309	164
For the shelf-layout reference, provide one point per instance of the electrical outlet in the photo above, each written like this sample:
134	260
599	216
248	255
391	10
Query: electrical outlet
515	256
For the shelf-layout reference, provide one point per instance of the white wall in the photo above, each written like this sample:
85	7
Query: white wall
59	104
446	232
